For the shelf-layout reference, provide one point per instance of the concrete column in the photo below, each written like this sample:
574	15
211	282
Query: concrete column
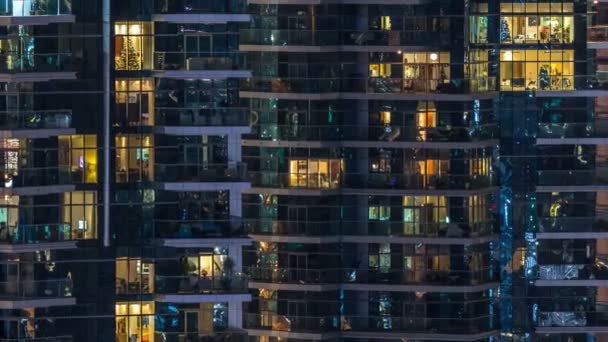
235	315
236	202
235	252
234	149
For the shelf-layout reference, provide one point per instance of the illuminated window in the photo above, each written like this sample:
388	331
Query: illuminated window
480	166
379	257
135	321
537	29
11	150
426	117
478	210
80	212
423	215
380	70
134	276
134	102
206	264
425	71
133	46
19	8
134	158
9	216
315	173
385	22
536	69
379	213
78	153
478	29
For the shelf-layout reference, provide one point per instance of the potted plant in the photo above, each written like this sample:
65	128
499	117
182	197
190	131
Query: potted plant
227	273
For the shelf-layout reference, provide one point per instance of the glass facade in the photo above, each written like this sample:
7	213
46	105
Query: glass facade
214	170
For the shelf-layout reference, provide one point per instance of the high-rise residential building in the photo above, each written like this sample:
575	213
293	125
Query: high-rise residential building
266	170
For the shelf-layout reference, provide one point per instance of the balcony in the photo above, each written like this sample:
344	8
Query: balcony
573	132
197	229
418	181
344	40
579	274
573	227
200	11
47	176
182	65
420	325
389	134
35	12
574	321
352	230
40	293
31	124
26	237
201	121
199	173
193	288
207	117
597	37
374	87
201	284
36	67
419	276
565	179
199	6
224	336
377	324
65	338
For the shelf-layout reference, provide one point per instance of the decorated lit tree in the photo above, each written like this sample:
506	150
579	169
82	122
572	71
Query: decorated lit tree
129	57
543	77
505	32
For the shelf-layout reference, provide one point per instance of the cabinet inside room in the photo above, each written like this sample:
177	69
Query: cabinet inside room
315	173
135	321
536	70
134	102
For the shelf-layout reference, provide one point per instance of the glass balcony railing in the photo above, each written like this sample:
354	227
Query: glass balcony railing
199	172
22	290
291	323
40	233
193	284
575	318
573	224
598	176
372	181
338	37
597	34
289	37
39	339
575	271
213	117
224	336
594	129
193	229
214	61
345	323
199	6
40	62
375	133
20	8
372	85
40	176
418	181
419	324
386	276
372	228
36	119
